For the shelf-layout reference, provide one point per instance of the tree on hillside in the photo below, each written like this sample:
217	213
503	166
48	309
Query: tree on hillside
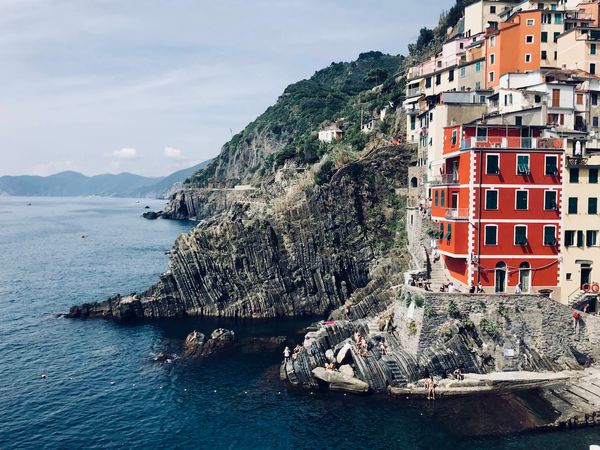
376	76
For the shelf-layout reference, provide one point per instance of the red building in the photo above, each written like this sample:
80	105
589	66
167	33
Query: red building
497	205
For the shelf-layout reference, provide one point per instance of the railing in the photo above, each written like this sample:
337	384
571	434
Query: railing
448	178
574	161
511	142
413	92
457	213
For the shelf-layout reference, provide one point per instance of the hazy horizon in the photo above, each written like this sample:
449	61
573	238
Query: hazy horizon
152	87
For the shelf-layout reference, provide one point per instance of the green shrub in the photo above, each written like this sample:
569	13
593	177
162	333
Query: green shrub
324	173
452	309
488	327
419	301
503	310
412	328
429	311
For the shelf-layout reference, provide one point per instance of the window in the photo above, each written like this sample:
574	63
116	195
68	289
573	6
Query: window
594	99
551	165
478	66
520	235
454	137
451	75
518	121
529	39
592	205
508	99
550	200
492	164
492	59
443	199
428	82
592	68
544	54
463	72
595	121
441	235
549	235
592	49
491	199
580	242
580	99
546	18
544	36
537	98
528	57
435	198
438	79
556	98
491	77
449	233
523	165
482	134
530	22
492	10
591	237
569	238
573	175
572	205
556	35
521	200
558	19
492	41
593	176
491	235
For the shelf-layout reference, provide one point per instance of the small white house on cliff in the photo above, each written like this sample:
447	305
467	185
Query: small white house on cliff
331	133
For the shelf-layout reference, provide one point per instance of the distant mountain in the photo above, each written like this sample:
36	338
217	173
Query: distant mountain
71	184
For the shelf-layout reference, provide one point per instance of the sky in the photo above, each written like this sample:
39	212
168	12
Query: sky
153	86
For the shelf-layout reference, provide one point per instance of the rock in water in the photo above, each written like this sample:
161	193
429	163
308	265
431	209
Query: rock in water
195	345
339	381
151	215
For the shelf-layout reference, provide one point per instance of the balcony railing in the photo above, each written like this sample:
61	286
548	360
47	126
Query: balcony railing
576	161
511	142
457	213
447	178
413	92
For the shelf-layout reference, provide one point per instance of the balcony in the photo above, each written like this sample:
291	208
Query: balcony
576	161
414	92
457	213
448	178
511	142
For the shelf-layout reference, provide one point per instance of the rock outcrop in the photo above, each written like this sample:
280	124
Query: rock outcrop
196	345
435	333
303	254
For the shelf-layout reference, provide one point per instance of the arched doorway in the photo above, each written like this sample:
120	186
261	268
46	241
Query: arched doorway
500	277
525	276
414	182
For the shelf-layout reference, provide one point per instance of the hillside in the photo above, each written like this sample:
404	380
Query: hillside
69	184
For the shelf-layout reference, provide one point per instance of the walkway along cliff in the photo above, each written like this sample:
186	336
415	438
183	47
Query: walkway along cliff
304	253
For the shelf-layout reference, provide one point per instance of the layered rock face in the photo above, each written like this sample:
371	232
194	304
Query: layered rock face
434	334
302	254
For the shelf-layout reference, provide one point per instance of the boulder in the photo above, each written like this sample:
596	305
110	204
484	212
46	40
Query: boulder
195	346
347	369
344	352
152	215
339	381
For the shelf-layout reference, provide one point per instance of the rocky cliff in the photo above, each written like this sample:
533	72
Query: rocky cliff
303	253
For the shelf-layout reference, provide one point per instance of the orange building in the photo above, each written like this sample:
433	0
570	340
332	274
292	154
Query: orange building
497	205
525	42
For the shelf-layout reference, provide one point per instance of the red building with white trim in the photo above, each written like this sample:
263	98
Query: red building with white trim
497	203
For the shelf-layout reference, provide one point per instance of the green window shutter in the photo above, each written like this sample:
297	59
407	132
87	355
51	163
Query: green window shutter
490	235
580	242
435	198
591	237
569	238
443	201
492	165
520	235
544	36
449	233
441	230
491	199
572	205
592	205
550	200
549	236
551	166
592	49
574	175
521	200
593	176
522	165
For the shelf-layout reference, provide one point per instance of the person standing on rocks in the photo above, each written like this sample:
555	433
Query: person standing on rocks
286	354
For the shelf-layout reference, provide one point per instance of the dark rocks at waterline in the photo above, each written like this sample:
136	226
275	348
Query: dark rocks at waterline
164	357
197	346
152	215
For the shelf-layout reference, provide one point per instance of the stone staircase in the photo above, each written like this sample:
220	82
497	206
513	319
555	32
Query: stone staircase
398	379
438	275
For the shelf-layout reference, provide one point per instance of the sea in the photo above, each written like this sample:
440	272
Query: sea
104	389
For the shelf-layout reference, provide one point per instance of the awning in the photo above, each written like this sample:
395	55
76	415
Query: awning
584	261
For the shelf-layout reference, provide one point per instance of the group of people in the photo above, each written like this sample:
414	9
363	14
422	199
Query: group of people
287	353
421	283
361	342
449	288
476	289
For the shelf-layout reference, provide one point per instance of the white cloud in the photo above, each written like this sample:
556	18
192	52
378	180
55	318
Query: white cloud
126	153
174	153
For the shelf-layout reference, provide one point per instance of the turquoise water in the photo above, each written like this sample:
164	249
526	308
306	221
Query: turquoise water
104	390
